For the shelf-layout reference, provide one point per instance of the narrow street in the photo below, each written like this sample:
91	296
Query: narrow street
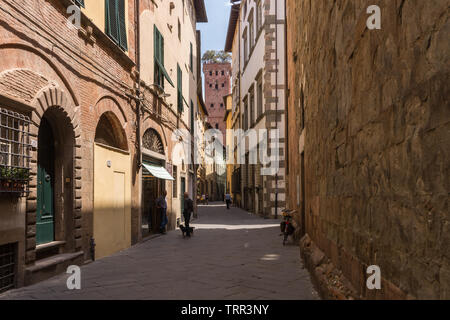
233	255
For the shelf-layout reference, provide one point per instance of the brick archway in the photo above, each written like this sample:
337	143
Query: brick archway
53	100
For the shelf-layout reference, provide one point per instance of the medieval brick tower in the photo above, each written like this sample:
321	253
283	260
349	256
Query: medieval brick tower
217	85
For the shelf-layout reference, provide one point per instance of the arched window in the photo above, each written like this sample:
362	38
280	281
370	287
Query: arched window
152	141
109	132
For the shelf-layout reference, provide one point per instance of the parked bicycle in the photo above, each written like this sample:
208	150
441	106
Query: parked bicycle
286	226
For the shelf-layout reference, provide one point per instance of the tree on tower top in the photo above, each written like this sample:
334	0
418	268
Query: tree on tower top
213	56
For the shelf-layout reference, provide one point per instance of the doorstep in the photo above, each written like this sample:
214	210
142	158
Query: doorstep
49	267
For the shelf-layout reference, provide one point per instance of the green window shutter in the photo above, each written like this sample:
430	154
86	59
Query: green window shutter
115	24
122	25
179	89
192	117
158	55
80	3
112	28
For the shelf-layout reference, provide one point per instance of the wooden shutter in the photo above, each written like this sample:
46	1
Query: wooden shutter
112	29
192	117
115	22
180	89
80	3
122	25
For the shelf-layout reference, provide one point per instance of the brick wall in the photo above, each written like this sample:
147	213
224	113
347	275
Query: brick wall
55	66
376	134
214	96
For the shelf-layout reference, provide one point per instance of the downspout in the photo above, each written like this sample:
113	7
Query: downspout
138	101
276	96
240	110
286	97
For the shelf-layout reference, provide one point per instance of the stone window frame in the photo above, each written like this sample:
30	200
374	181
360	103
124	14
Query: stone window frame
259	98
175	181
245	46
251	105
259	16
245	124
251	29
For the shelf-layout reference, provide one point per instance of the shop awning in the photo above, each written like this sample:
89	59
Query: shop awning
158	172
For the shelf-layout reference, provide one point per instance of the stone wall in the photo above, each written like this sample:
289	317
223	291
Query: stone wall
373	109
48	67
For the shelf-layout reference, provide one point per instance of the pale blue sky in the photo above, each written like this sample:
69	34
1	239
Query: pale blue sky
215	31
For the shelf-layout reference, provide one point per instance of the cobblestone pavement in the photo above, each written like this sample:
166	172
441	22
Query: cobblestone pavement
232	255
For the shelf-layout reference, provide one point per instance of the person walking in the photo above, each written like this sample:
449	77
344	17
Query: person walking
161	205
228	200
188	209
207	199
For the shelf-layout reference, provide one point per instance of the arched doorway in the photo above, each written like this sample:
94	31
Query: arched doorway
45	218
153	158
112	187
55	171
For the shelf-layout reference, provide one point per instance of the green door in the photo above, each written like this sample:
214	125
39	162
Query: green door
183	190
45	185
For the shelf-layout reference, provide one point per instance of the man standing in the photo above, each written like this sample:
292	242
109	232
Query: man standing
228	200
188	209
161	204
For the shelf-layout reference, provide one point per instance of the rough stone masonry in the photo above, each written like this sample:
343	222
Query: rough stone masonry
372	110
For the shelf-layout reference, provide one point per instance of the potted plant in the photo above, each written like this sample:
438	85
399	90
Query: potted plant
13	179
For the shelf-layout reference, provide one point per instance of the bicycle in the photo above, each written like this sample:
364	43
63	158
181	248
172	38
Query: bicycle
286	226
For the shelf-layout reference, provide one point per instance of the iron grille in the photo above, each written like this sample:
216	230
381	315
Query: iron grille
7	267
14	152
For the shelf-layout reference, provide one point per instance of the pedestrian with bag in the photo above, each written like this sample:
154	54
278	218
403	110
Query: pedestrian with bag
188	210
161	205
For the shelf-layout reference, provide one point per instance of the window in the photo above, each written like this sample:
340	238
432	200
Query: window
14	147
217	86
210	85
245	46
217	126
151	140
192	117
210	73
179	30
251	30
191	59
80	3
223	85
252	106
223	72
175	183
221	105
115	22
259	15
260	98
158	54
179	89
212	105
245	8
245	124
217	73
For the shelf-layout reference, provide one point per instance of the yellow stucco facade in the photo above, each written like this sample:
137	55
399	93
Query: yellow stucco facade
229	125
112	200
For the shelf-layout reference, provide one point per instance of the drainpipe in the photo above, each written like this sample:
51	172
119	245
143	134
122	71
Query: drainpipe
138	104
92	248
276	93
